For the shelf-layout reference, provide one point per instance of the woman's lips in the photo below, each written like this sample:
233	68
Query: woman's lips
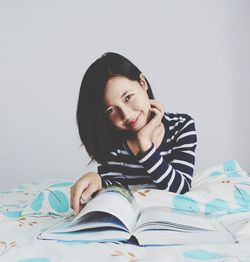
133	122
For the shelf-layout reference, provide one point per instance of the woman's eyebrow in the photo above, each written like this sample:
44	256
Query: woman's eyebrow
125	93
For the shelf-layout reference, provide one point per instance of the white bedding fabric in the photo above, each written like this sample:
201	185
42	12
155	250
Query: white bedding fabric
26	210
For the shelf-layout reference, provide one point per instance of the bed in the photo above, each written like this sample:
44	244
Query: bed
30	208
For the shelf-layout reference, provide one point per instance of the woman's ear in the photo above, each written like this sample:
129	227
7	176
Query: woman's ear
143	82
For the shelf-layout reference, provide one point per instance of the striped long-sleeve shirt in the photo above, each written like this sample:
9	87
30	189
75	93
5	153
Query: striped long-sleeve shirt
169	167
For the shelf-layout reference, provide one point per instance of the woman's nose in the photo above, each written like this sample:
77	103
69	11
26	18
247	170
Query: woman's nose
126	113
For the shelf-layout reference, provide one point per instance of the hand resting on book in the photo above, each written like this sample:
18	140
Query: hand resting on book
84	187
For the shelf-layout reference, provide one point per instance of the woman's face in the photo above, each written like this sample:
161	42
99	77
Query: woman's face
126	103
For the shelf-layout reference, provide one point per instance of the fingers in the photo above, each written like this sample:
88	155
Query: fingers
158	105
156	120
86	195
76	192
157	110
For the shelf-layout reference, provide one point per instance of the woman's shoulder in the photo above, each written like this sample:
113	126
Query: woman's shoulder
176	122
177	117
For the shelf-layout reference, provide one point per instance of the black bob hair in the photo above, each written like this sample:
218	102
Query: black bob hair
97	134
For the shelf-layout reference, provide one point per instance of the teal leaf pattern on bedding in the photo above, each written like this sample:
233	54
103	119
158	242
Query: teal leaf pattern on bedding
230	168
233	174
202	255
58	201
217	206
229	165
12	214
36	205
215	173
241	197
185	203
35	259
53	198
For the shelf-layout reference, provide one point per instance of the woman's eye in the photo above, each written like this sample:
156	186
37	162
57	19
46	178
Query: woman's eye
128	97
110	111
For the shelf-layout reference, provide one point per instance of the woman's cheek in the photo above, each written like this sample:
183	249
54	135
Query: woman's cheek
139	104
113	119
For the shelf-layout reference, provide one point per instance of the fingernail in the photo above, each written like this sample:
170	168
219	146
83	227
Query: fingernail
84	201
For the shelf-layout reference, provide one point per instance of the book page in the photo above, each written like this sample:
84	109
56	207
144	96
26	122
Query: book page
167	216
114	200
90	235
93	220
165	226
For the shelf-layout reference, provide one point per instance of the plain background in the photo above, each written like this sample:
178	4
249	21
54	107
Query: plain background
195	54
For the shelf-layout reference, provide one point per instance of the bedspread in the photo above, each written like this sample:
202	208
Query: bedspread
222	191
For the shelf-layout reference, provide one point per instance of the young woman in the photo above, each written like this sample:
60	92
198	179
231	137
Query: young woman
129	134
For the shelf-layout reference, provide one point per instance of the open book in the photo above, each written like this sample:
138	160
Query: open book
113	215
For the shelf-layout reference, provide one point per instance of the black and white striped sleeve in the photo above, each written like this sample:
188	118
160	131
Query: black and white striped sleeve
176	174
111	172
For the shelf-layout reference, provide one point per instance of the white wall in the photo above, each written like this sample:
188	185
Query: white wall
196	54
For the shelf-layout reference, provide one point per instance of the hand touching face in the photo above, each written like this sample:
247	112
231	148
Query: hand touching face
154	121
